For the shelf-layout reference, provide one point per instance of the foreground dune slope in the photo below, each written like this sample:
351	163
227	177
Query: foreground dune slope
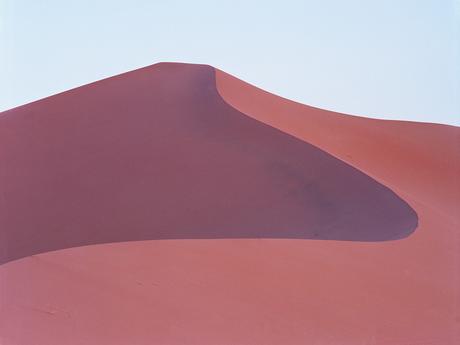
257	290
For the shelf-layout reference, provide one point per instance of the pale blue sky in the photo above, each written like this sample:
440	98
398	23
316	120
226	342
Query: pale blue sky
389	58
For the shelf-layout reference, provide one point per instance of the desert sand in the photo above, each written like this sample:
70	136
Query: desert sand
176	204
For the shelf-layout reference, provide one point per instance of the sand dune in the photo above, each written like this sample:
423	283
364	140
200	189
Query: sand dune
239	180
157	154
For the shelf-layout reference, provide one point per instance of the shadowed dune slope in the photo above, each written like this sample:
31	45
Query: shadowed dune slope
157	154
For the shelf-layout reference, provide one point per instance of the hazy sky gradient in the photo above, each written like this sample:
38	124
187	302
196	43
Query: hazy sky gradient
389	59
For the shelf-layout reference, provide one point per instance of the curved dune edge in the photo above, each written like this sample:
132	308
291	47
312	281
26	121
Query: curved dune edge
262	291
421	159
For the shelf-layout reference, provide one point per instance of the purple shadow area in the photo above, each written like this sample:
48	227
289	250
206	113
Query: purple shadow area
157	154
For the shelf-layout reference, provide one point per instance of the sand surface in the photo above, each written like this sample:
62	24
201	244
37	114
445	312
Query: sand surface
273	287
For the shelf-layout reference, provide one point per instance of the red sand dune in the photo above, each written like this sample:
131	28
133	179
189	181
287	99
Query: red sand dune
157	154
144	154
